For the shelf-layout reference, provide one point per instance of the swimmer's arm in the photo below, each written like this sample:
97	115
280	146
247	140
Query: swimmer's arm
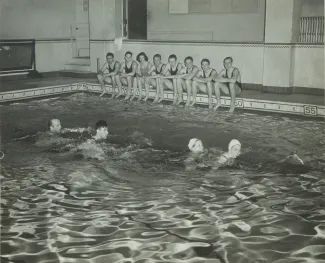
213	74
151	68
121	71
193	74
165	72
178	74
101	71
116	70
180	71
134	70
138	71
221	160
198	77
151	71
235	75
231	80
221	76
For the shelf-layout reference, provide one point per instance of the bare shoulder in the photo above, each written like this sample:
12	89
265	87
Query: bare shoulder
223	71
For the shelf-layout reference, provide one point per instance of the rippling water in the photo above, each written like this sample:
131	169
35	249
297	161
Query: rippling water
139	205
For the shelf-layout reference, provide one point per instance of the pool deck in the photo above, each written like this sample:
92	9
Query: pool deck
244	101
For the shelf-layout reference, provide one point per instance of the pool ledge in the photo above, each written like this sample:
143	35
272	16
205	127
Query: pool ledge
310	110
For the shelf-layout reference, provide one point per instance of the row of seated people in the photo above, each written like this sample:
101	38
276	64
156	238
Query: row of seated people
173	76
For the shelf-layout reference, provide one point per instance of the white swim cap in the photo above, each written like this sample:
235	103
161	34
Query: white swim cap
232	143
193	142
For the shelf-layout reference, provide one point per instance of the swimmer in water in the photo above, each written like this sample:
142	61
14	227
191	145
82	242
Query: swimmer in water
228	158
196	155
92	148
101	130
54	126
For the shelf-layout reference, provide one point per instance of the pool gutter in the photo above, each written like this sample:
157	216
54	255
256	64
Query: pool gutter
309	110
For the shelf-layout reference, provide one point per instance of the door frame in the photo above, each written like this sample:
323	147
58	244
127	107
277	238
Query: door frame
76	26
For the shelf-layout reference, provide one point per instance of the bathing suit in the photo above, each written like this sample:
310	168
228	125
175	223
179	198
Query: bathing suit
129	70
228	160
144	71
209	75
109	68
173	72
191	70
237	82
156	71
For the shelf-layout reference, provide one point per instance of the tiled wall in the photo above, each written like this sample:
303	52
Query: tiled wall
51	55
309	66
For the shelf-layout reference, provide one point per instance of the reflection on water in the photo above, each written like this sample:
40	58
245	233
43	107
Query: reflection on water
137	204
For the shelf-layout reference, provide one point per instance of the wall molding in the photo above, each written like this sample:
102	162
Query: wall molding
212	43
204	35
54	40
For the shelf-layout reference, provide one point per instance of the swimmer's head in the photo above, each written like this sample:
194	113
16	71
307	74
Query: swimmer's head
157	59
109	57
227	62
196	146
205	64
188	62
234	148
128	56
141	57
54	125
101	130
172	60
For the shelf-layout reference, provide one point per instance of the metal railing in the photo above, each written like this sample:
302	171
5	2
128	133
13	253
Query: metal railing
311	29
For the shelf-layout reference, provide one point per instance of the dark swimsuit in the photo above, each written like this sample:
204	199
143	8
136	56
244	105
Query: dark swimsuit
191	70
111	70
173	72
156	71
129	70
209	75
237	82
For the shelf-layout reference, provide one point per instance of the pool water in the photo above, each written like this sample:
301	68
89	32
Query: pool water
138	204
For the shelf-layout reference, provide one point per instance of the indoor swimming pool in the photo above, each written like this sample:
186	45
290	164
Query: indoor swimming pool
133	201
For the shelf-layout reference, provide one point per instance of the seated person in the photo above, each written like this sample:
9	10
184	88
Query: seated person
154	77
142	76
170	74
203	81
113	68
186	79
127	75
229	82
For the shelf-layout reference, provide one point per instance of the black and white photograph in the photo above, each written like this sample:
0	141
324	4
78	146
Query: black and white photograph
162	131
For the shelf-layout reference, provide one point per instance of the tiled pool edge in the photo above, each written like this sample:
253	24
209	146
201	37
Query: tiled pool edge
14	95
243	103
